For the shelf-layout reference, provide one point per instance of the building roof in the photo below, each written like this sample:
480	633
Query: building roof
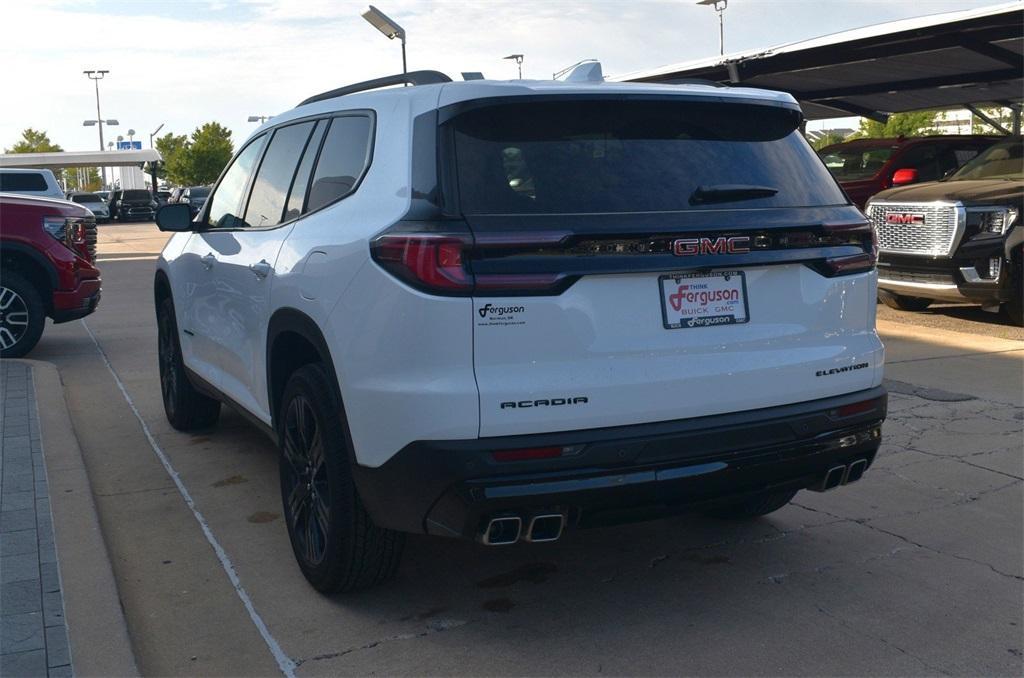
938	61
80	158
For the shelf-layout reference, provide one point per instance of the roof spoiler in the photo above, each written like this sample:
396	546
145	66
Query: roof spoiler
413	78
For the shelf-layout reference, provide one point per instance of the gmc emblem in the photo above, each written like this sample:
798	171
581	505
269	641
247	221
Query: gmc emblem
904	218
688	247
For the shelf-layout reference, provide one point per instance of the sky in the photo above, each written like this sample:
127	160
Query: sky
181	63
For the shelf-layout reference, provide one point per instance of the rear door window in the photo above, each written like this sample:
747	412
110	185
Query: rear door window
343	159
270	188
614	156
227	198
297	195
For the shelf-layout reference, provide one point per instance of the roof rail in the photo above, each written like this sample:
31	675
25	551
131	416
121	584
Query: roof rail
413	78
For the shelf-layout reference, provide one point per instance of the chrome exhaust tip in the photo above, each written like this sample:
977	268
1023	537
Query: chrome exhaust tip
855	471
545	527
834	478
501	531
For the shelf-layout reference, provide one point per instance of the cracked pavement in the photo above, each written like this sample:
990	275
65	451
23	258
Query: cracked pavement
915	570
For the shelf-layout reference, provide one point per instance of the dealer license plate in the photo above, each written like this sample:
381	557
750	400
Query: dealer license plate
703	299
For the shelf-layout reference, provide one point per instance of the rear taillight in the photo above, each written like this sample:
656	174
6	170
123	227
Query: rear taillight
860	234
441	263
431	262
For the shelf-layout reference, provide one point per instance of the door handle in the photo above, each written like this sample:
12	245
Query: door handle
208	261
261	269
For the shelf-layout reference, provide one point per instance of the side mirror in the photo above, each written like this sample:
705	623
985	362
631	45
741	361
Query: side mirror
174	218
902	177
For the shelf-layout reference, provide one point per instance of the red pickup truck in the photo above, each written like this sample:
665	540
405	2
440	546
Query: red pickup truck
864	167
47	268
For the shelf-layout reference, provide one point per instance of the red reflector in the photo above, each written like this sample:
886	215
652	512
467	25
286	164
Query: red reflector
527	454
856	408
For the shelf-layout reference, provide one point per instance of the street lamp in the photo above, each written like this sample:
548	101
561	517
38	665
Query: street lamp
260	118
96	76
719	6
518	58
131	136
382	23
154	133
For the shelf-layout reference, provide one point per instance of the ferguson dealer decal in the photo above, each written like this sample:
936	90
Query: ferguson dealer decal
492	315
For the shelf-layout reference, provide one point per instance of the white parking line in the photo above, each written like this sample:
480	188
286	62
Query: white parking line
284	662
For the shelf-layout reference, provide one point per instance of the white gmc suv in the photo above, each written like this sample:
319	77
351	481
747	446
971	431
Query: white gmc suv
492	310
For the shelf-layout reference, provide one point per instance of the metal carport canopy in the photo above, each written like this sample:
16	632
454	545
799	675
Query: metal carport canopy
948	60
80	159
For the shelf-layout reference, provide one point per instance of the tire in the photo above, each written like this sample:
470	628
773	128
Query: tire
753	507
22	315
186	408
901	303
336	544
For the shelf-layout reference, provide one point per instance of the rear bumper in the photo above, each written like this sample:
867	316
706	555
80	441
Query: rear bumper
620	474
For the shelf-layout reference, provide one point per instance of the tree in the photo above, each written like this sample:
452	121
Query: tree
209	152
83	179
33	141
913	124
175	167
827	139
37	141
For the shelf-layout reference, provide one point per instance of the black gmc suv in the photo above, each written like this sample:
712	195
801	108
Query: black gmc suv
957	239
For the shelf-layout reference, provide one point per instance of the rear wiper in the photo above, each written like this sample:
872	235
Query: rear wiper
730	193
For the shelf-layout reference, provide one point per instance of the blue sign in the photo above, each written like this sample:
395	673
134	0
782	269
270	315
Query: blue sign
129	145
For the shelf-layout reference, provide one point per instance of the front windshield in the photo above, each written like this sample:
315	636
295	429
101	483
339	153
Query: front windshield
1002	161
136	195
854	164
87	197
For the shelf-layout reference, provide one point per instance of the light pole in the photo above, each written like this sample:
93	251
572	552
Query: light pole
719	6
382	23
518	58
154	133
260	118
96	76
131	137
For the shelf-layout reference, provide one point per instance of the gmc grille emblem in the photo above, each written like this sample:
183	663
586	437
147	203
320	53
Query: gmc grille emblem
904	218
689	247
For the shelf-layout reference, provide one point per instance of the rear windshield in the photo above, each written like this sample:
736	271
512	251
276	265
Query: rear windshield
199	192
854	164
22	181
136	195
586	156
85	197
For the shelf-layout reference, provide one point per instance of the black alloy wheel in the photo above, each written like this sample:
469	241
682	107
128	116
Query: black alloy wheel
335	541
186	408
22	315
304	483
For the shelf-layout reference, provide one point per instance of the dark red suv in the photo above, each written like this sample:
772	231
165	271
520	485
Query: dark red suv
47	268
864	167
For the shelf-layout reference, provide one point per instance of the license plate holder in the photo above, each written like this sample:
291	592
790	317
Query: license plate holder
703	299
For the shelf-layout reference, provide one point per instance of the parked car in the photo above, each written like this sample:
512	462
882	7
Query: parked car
162	197
132	205
958	239
864	167
194	197
92	202
40	182
464	309
47	268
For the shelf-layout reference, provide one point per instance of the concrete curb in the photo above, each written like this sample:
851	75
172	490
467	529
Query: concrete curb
97	631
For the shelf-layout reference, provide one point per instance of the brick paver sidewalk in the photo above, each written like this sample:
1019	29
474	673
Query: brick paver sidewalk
33	636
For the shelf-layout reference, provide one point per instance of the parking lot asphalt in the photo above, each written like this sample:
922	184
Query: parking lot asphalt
915	570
